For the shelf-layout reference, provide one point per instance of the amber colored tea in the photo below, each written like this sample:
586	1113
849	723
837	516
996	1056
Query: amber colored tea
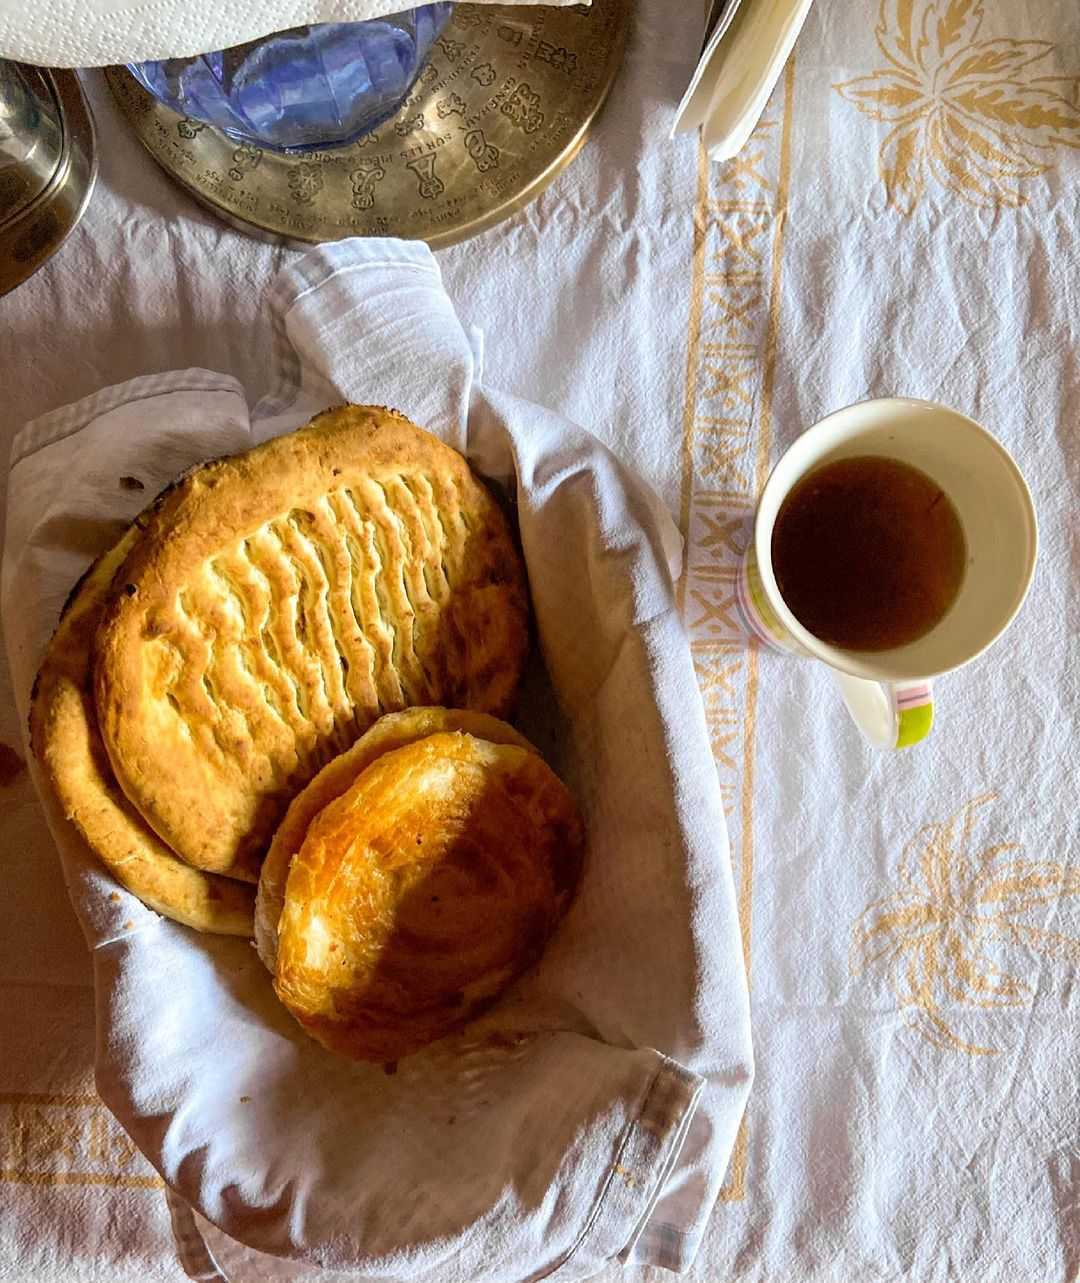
868	553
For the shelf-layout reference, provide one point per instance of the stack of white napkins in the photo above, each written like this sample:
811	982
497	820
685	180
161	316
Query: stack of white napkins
749	43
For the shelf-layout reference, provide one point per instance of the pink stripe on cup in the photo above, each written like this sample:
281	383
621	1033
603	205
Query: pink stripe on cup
913	696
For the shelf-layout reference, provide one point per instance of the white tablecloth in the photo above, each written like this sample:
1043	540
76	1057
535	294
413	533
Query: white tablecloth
903	221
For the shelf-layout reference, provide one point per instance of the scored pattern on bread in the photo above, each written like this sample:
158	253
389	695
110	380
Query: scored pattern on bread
280	602
67	745
296	638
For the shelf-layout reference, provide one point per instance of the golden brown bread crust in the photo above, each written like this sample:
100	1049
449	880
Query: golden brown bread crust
65	741
422	891
278	602
395	730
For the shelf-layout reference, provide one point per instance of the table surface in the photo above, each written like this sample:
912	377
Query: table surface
902	221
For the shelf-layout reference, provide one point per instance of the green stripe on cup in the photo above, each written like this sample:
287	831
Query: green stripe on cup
914	725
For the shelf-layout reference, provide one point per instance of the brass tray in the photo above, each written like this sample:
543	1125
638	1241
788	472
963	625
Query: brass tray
503	105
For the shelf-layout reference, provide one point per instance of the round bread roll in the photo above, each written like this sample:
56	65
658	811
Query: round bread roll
394	730
66	742
422	891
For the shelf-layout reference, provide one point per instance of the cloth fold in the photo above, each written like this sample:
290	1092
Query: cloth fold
591	1115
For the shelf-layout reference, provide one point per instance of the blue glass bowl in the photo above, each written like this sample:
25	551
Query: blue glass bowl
304	88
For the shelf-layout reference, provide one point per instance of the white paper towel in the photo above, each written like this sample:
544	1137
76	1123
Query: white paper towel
94	33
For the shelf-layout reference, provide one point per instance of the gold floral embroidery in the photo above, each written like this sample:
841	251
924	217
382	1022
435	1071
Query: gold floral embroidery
962	112
932	934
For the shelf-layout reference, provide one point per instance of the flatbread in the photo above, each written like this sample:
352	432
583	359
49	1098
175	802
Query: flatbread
279	602
66	742
395	730
421	892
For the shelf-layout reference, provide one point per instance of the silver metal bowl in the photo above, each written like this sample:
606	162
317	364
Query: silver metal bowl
48	164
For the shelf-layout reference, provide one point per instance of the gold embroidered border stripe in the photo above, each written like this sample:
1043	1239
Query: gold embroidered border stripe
66	1138
81	1178
740	216
692	346
51	1101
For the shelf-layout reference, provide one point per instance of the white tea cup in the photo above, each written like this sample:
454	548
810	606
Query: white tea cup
889	693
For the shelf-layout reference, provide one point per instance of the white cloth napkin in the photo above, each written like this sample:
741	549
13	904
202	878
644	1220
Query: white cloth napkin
738	70
590	1117
94	33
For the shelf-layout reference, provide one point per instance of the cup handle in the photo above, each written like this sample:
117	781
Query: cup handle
889	714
